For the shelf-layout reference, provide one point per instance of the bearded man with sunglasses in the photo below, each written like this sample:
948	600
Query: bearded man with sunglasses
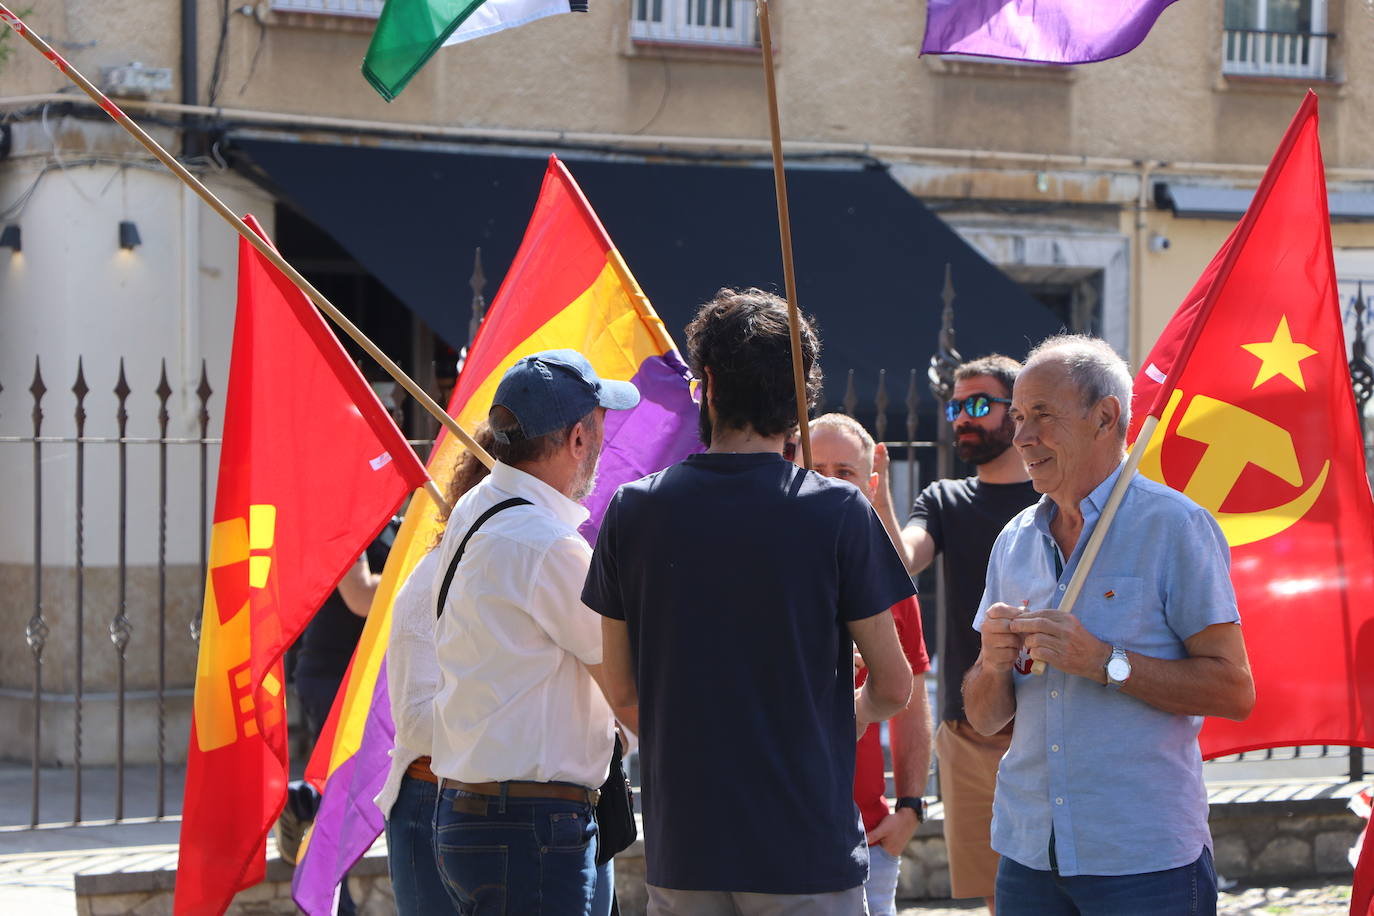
961	519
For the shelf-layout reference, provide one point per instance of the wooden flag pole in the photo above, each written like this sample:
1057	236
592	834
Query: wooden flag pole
266	250
785	231
1104	522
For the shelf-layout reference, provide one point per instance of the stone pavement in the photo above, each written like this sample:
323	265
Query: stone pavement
1312	898
37	867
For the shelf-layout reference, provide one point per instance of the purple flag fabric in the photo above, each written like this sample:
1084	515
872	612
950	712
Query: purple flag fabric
660	431
349	813
1044	31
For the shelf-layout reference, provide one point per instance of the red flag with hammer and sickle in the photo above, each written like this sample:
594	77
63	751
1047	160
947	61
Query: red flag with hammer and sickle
311	468
1258	424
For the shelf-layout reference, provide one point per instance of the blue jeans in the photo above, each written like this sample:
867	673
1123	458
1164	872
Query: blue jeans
605	888
1189	890
881	887
532	856
414	869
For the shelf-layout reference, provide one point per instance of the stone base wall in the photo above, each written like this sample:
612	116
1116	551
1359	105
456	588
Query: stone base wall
1255	842
1284	840
99	728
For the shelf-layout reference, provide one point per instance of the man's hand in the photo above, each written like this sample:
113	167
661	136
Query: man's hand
1058	638
881	464
895	831
1001	643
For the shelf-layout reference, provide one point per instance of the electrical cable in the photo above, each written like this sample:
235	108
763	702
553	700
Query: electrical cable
217	70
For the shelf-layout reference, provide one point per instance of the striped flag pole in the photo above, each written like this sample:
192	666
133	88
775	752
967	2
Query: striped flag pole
263	247
785	231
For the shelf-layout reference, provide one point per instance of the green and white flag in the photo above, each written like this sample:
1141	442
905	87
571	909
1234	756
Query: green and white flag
410	31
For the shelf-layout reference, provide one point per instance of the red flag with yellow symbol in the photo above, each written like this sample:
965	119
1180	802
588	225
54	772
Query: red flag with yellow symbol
311	469
1258	425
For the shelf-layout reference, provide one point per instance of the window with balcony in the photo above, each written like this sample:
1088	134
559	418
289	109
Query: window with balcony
707	23
361	9
1275	38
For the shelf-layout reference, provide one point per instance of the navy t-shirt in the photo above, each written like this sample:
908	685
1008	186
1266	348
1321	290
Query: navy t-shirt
736	575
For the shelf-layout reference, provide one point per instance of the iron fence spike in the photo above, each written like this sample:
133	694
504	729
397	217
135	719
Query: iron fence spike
122	391
80	389
37	389
163	392
880	421
913	405
1361	370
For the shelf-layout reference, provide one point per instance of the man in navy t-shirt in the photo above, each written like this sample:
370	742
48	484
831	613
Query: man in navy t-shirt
731	586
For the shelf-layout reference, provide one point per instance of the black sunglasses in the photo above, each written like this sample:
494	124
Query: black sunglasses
976	405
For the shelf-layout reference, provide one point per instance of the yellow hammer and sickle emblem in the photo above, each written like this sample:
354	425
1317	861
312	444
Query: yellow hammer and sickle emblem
224	692
1235	438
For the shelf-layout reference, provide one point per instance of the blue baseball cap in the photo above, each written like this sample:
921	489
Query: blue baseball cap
551	390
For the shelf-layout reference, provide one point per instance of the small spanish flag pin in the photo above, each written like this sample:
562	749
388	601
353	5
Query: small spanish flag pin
1109	594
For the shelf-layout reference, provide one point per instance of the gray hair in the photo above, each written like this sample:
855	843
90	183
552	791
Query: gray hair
1094	366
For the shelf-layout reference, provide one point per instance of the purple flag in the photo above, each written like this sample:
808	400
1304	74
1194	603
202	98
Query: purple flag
1046	31
662	430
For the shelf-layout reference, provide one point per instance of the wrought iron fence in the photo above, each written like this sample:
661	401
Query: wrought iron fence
122	628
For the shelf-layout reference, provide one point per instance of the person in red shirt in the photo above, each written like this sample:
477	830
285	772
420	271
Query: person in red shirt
843	449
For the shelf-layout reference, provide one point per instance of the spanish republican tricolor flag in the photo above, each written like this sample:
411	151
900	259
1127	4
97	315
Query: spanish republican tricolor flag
567	287
311	469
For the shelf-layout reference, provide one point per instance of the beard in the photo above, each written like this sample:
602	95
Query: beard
704	428
585	481
988	445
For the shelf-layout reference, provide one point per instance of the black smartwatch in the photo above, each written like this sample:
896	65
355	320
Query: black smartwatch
915	804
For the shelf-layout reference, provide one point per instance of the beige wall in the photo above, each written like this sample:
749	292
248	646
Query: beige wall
1169	275
847	73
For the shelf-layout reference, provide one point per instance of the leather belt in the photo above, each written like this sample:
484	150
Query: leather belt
522	789
419	769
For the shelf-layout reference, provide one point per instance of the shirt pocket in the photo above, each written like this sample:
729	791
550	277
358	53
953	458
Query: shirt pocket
1112	607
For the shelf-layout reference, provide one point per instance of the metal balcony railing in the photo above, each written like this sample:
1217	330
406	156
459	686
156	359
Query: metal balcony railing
1251	52
362	9
710	23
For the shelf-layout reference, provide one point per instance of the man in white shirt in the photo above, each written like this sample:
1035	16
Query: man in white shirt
522	733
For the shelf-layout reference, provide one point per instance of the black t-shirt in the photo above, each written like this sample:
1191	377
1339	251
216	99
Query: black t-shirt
326	647
964	518
736	575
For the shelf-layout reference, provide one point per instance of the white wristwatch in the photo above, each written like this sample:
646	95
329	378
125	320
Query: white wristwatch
1118	668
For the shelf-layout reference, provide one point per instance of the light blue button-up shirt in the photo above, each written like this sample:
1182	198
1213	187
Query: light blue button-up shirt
1116	782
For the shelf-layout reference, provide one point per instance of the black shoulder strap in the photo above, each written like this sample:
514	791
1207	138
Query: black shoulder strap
463	545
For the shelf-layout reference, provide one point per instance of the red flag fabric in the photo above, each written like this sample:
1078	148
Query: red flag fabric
311	468
1258	425
1362	893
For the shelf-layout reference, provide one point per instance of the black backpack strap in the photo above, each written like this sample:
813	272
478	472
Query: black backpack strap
463	545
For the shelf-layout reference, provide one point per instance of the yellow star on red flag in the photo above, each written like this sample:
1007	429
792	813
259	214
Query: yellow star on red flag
1280	356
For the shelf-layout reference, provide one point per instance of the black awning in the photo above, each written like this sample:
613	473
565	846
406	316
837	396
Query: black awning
870	257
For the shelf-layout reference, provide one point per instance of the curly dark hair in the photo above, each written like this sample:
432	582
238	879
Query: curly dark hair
743	337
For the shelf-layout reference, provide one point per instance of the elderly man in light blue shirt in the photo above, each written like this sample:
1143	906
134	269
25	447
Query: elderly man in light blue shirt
1100	806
